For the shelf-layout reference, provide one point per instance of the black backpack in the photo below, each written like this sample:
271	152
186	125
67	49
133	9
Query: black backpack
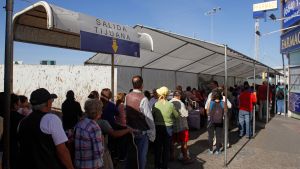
216	112
280	94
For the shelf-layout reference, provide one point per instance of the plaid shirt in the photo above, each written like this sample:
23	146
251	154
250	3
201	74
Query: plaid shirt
88	145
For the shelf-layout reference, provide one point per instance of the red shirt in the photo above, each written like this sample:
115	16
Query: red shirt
262	93
246	101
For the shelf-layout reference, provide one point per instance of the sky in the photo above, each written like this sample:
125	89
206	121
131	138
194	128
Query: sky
233	25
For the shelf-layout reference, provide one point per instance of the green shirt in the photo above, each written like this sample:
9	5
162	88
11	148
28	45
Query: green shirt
164	113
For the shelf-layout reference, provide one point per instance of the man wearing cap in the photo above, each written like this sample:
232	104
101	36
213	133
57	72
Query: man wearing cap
139	117
42	137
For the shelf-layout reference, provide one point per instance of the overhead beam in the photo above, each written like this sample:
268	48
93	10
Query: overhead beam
196	61
165	54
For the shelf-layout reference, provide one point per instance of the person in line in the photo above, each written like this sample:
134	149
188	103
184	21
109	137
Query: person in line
183	97
107	130
15	118
154	98
280	92
110	111
121	116
109	108
121	147
164	114
42	137
215	114
180	128
139	117
94	95
214	85
147	94
25	107
246	101
71	111
89	147
262	98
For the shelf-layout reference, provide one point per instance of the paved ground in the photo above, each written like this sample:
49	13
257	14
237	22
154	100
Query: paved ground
276	146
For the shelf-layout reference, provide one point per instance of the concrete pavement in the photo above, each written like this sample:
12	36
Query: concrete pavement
275	147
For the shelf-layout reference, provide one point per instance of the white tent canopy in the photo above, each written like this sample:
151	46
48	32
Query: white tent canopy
178	53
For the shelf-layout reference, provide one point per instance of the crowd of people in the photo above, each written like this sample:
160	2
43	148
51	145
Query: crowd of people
123	130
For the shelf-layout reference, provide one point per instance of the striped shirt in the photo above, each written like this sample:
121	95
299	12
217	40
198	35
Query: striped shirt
88	145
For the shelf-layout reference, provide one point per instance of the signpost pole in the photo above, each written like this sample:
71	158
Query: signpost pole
8	81
256	39
113	76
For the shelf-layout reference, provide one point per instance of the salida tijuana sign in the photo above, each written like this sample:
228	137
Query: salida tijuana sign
108	37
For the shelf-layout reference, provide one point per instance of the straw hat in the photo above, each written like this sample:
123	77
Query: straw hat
163	91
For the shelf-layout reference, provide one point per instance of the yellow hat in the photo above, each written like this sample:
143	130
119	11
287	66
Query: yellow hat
163	91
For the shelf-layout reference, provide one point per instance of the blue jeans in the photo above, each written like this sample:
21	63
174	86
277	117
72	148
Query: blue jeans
244	120
142	143
280	106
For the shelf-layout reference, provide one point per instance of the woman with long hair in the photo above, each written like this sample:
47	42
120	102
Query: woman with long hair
164	115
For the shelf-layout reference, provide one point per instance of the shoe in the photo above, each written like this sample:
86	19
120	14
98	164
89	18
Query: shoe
278	113
218	152
210	152
248	137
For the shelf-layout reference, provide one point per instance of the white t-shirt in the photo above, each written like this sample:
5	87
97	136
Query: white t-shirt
51	124
209	99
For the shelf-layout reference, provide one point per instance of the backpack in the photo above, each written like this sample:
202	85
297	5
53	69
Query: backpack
280	94
216	112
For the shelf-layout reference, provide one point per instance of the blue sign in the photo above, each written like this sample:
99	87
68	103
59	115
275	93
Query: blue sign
290	41
291	11
259	14
94	42
294	102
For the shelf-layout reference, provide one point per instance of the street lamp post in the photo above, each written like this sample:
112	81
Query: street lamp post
211	13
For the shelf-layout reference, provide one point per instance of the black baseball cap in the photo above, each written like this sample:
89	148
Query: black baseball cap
40	96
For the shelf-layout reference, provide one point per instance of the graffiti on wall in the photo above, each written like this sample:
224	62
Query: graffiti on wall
294	102
59	79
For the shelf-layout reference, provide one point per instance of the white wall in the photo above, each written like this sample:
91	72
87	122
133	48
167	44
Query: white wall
154	78
60	79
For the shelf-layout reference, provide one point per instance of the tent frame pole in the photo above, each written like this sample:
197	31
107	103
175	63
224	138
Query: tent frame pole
275	98
113	76
268	98
226	109
254	86
284	87
175	74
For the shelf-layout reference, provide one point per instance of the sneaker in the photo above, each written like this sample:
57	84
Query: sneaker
218	152
210	152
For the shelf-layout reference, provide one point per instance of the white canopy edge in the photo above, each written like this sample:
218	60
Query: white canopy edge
179	53
46	24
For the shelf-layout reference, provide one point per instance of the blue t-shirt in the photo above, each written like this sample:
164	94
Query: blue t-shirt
109	113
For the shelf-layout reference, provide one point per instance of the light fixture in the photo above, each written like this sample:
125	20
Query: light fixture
258	33
273	17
